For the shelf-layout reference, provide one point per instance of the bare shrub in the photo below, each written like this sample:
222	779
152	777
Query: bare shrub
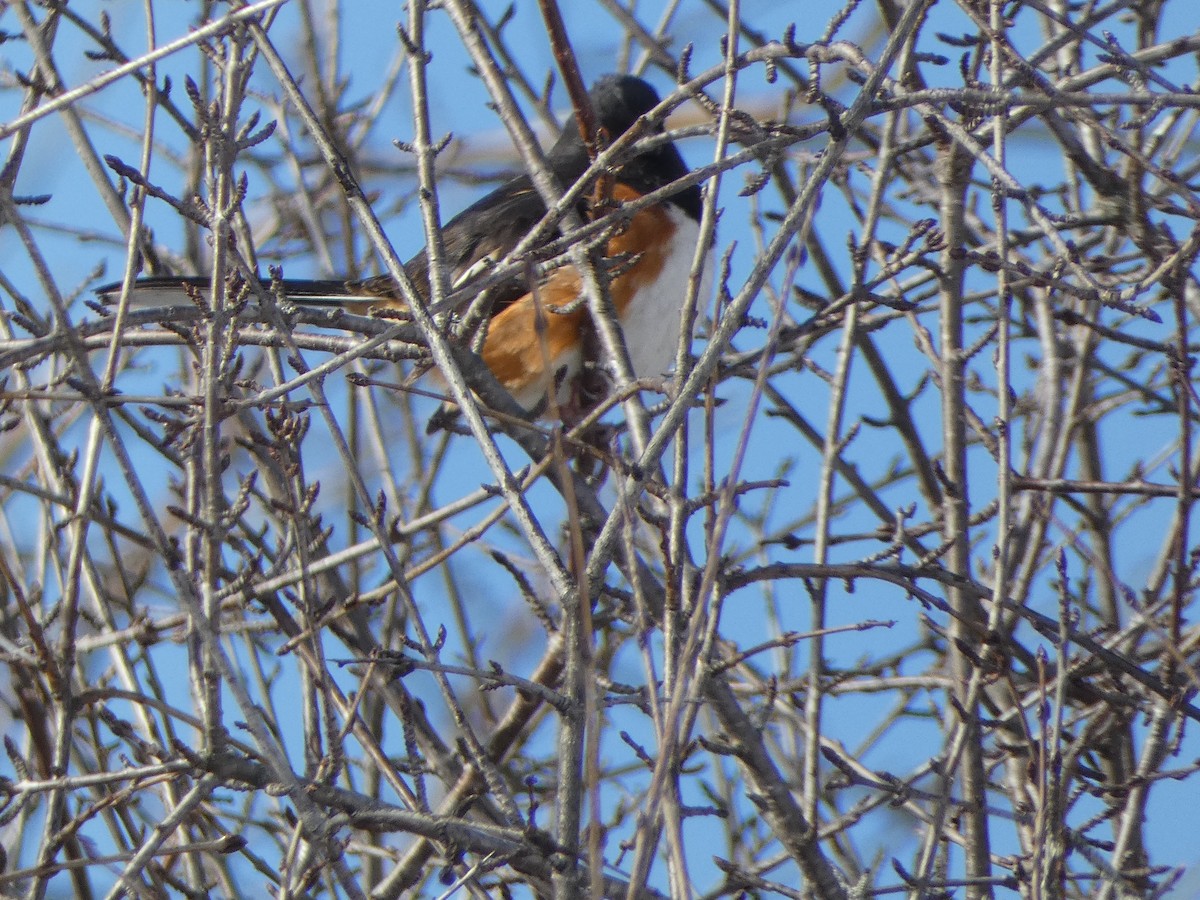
889	589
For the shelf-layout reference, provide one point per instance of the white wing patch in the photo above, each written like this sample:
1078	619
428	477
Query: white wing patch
475	270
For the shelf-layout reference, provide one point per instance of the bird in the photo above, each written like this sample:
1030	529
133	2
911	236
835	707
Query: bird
651	256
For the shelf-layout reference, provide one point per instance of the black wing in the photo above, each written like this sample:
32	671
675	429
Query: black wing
485	232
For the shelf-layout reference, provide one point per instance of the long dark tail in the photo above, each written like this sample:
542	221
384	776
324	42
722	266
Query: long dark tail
169	291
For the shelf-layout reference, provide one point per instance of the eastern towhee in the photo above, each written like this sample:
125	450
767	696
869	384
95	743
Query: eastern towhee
651	258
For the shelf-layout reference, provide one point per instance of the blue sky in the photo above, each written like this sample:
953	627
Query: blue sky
459	105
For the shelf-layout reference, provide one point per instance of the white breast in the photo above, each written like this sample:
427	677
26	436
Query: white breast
652	320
